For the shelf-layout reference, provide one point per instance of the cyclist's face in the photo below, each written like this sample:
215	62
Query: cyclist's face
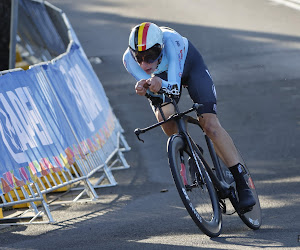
149	68
148	59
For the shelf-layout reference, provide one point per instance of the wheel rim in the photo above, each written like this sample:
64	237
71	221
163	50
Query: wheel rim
195	190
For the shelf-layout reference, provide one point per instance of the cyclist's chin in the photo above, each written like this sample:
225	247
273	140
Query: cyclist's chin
149	71
149	68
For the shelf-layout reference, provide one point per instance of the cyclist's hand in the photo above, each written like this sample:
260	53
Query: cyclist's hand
154	84
141	87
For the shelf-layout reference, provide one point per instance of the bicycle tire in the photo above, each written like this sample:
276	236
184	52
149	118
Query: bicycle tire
253	218
210	223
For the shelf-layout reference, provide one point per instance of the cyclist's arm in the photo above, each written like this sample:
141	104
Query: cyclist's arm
133	68
175	56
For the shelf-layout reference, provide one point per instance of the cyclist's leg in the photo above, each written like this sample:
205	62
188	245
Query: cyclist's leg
227	151
202	90
169	128
222	142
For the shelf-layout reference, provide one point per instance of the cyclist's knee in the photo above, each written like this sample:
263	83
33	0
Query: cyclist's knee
210	125
169	128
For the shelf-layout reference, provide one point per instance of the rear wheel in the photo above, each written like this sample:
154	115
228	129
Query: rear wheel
196	189
252	218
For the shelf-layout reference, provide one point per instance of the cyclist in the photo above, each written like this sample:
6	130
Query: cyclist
160	58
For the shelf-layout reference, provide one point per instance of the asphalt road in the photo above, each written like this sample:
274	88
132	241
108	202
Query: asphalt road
252	49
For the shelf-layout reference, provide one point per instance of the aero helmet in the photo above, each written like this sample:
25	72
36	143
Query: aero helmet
144	36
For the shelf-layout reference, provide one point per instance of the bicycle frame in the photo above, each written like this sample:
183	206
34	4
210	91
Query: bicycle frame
250	216
218	179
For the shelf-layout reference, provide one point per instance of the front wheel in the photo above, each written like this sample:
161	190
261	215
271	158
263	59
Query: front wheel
195	187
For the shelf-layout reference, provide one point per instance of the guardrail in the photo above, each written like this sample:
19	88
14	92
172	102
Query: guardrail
56	124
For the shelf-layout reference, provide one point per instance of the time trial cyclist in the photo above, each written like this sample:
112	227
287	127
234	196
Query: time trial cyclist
160	58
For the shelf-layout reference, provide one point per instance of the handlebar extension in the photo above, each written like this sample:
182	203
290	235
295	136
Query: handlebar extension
139	131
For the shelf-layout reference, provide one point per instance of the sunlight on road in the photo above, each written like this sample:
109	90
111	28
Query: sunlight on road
272	202
295	179
237	241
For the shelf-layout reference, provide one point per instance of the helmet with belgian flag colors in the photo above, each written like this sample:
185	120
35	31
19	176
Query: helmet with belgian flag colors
144	36
146	42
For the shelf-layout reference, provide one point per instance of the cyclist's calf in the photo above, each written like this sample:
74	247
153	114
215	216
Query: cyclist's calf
222	142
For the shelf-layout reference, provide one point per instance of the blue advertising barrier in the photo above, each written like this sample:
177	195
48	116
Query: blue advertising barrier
27	133
83	100
55	118
33	126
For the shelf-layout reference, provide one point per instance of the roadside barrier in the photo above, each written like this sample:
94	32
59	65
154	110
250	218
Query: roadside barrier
56	124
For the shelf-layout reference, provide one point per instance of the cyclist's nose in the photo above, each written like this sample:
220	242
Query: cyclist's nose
144	65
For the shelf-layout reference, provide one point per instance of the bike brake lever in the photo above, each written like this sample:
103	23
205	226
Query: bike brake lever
137	132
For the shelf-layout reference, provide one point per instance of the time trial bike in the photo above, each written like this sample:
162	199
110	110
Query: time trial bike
203	185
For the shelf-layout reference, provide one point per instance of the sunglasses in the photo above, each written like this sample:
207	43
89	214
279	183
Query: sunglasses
148	56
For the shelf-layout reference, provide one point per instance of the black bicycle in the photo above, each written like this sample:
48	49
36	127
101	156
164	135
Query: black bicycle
203	187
